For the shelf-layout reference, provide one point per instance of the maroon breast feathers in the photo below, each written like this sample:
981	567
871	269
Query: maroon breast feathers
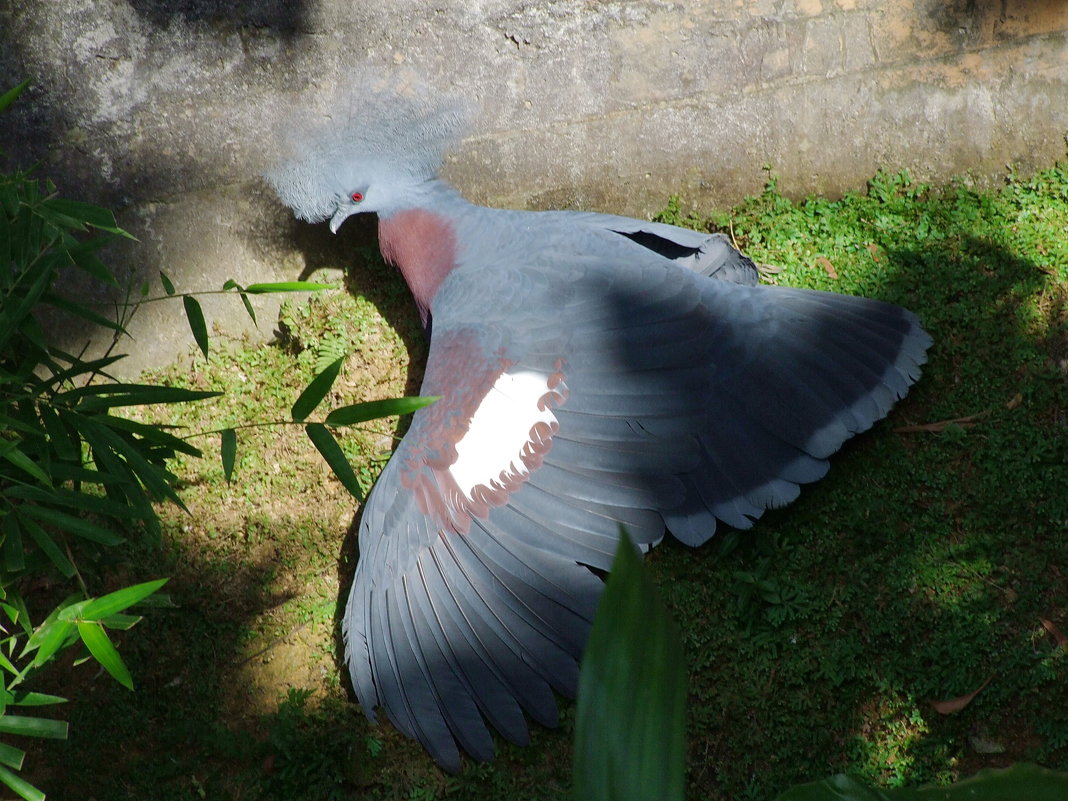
422	245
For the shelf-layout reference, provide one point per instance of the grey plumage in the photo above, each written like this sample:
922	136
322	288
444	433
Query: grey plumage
652	384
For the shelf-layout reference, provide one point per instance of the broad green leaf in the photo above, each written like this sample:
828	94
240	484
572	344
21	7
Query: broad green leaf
8	97
287	286
327	446
370	410
107	445
195	315
36	699
73	499
11	756
13	550
231	284
84	255
12	453
20	786
80	310
87	214
120	622
1021	782
228	451
120	600
72	524
99	396
314	393
55	634
630	740
96	640
48	546
168	287
33	727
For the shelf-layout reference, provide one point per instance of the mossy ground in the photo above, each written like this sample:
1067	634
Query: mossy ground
930	563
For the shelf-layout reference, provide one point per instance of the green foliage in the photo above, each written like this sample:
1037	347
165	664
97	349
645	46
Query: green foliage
630	732
1010	784
73	473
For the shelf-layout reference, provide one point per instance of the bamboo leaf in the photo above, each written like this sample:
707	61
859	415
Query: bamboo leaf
11	756
314	393
96	640
33	727
630	726
287	286
1021	781
85	214
72	524
8	97
120	600
36	699
248	307
168	287
327	446
228	451
371	410
195	314
48	546
12	453
20	786
54	634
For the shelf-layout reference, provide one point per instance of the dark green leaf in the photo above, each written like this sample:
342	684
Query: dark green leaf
49	547
106	396
248	307
96	640
11	452
286	286
168	287
314	393
86	213
8	97
370	410
72	524
1021	781
195	315
80	310
630	717
228	449
326	444
14	553
73	499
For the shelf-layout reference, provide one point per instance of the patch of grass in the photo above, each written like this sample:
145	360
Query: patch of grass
922	566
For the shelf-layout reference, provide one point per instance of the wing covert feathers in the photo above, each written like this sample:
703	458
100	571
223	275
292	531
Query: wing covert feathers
689	402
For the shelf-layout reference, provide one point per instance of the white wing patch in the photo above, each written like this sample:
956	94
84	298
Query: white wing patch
500	432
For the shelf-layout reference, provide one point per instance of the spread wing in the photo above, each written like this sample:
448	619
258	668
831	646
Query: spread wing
626	392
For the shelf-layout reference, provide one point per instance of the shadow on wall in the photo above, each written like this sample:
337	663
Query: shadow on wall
284	17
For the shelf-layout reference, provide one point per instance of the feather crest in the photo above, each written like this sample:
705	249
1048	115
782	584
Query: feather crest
381	128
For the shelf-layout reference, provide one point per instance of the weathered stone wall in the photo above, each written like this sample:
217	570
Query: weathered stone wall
161	108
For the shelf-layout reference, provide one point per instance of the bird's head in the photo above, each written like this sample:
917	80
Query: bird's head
372	152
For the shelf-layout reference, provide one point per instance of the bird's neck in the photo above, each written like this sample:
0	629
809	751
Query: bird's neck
421	242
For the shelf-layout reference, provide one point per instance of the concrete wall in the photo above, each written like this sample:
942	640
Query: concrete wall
160	108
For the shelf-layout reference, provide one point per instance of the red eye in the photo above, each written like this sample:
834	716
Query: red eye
356	197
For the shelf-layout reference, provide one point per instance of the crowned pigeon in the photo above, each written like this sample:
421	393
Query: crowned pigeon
594	372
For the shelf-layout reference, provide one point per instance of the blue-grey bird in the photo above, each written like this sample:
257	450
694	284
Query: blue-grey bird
594	371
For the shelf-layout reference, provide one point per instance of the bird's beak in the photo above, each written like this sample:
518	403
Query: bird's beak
339	217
